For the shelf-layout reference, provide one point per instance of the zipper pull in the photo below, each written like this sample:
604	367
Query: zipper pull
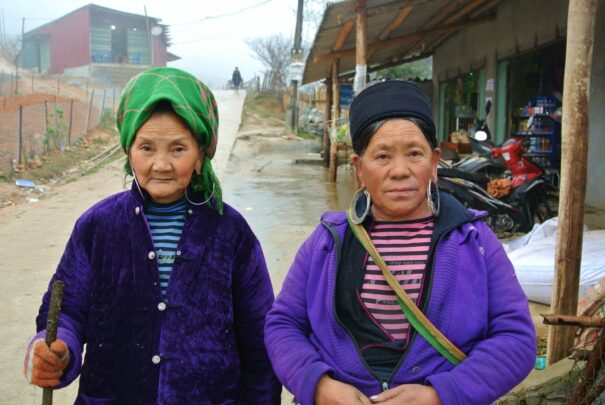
385	386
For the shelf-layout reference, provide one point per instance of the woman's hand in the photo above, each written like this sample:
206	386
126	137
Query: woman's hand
332	392
48	363
408	394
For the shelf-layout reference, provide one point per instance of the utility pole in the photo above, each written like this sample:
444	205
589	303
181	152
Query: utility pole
148	37
296	67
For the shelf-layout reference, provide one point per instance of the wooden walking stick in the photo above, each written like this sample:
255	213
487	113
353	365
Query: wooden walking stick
52	322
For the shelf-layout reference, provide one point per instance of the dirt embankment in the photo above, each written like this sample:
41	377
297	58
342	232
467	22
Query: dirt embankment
56	167
11	104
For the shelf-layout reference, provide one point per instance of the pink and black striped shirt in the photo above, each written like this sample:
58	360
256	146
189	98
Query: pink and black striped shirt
404	246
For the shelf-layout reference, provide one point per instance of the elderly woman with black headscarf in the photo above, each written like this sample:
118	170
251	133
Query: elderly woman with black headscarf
165	284
409	298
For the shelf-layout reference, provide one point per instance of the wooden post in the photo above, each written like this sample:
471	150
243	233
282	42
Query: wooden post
574	140
103	104
92	96
46	116
361	45
71	114
335	117
327	119
20	158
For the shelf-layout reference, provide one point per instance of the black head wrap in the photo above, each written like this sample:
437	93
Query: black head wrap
391	99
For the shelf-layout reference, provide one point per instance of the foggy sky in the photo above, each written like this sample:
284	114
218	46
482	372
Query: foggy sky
210	49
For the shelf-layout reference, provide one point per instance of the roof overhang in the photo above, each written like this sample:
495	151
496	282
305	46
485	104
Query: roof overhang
397	32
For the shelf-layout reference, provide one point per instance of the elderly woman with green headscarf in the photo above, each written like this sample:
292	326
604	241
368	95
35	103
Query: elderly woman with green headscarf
165	284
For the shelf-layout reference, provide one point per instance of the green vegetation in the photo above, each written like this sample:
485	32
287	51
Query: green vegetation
56	135
305	135
421	69
108	121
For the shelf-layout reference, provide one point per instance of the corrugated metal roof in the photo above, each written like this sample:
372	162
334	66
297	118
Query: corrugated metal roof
397	31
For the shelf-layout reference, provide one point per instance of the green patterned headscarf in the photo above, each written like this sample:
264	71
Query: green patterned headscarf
191	100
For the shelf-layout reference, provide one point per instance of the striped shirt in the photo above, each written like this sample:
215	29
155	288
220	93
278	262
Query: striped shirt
166	225
404	246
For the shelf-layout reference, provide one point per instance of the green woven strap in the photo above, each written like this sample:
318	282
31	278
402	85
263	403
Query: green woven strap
413	314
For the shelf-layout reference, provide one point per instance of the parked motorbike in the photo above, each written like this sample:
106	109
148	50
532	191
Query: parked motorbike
517	212
480	162
527	201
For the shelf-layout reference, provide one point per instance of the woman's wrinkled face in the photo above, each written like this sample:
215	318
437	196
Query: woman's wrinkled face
164	156
396	168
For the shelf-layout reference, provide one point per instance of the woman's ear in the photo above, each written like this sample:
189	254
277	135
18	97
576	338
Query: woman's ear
198	165
356	160
436	157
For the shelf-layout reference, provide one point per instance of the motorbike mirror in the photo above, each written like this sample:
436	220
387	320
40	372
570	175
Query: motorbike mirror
481	136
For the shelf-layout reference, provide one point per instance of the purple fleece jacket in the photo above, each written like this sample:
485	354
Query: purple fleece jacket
203	344
475	300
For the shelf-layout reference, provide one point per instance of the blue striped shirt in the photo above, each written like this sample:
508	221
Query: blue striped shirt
166	225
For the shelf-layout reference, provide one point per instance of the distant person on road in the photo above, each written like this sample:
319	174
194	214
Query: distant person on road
165	284
408	298
236	79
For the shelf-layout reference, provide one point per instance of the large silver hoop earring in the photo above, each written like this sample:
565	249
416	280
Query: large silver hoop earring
432	197
360	206
202	203
134	176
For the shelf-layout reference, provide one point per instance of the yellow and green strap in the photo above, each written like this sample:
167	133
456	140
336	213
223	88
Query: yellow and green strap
414	315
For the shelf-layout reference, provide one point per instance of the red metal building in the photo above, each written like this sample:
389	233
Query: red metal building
97	42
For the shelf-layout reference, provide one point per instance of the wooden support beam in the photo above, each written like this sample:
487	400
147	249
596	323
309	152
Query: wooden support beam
373	11
343	34
442	14
574	156
572	320
361	33
394	24
485	7
404	39
451	13
361	46
327	122
463	11
335	118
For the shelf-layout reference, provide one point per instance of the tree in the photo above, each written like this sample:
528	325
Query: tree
274	54
11	51
421	69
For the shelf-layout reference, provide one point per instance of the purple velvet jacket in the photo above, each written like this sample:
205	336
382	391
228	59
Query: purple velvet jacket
203	345
474	299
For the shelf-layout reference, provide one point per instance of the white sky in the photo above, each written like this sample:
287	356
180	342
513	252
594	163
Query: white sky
209	49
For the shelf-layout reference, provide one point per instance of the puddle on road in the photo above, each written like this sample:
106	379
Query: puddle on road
284	201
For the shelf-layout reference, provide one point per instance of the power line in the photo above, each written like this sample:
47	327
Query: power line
227	34
214	17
